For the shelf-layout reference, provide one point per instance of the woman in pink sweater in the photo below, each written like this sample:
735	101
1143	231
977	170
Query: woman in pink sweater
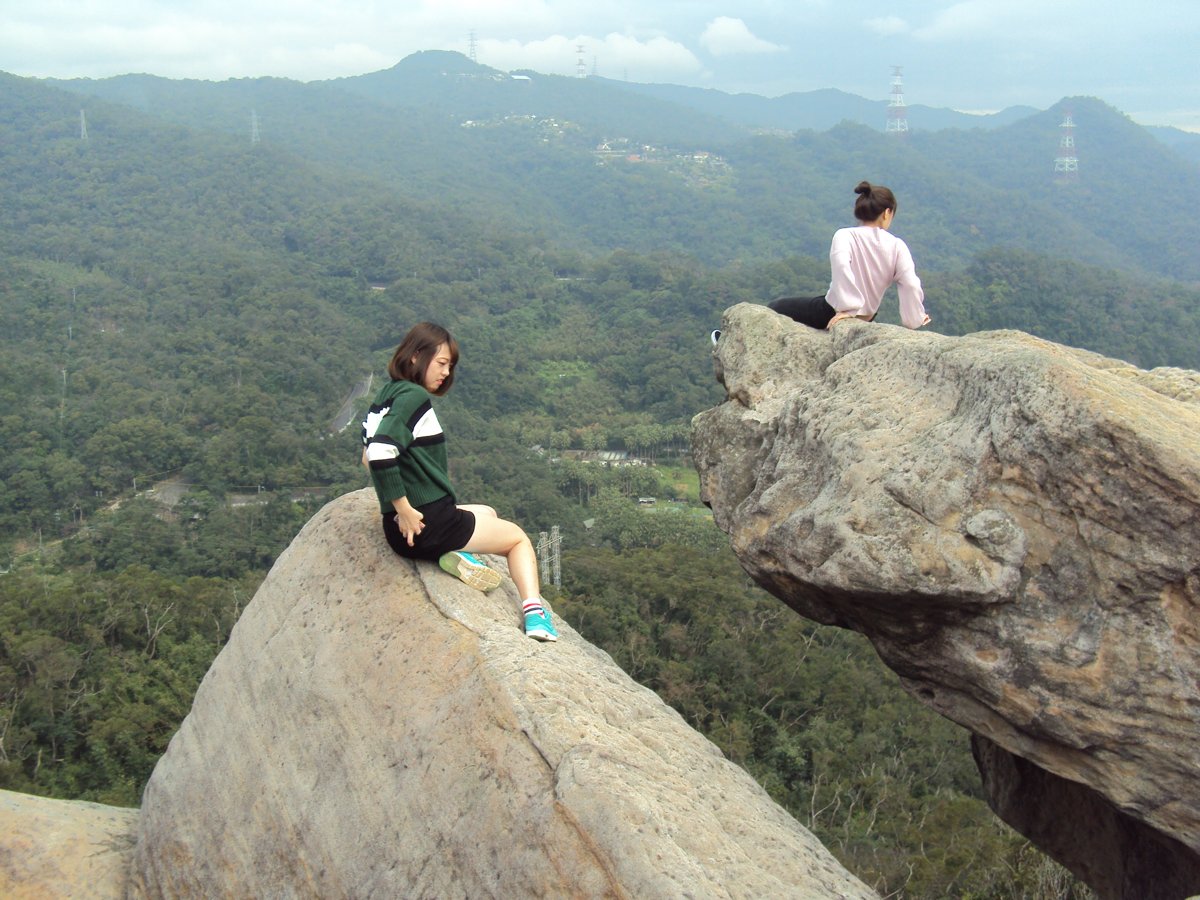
866	260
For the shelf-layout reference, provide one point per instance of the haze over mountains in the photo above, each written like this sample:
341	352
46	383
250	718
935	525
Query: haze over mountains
194	276
529	158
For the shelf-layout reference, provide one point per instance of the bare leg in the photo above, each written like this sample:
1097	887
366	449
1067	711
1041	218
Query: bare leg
495	535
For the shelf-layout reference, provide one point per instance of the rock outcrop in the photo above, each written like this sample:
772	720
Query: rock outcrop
63	848
1015	525
375	728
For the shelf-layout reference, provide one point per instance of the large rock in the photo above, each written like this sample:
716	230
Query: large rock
1015	525
64	848
375	728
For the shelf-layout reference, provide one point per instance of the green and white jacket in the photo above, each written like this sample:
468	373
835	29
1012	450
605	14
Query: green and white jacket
406	447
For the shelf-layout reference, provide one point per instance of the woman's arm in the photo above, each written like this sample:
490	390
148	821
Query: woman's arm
385	437
912	295
408	518
845	294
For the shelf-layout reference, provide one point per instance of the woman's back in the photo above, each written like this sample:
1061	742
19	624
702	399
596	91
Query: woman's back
864	261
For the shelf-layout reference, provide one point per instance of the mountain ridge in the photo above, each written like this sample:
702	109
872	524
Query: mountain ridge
530	157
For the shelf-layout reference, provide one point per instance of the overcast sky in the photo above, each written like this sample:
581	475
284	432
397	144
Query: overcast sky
971	55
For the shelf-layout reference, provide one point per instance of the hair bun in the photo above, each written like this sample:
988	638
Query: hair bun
864	188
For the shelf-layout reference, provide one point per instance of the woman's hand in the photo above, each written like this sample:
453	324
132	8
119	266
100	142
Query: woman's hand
840	317
409	519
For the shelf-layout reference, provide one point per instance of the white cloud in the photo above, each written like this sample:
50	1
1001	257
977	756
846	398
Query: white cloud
966	21
724	36
1014	21
888	25
189	41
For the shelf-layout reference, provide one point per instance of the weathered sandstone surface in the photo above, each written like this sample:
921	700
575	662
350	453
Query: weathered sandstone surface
375	728
1015	525
60	848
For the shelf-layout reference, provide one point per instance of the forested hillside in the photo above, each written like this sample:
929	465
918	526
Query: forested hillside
439	127
183	312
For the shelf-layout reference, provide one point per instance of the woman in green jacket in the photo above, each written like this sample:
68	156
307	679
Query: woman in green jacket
405	450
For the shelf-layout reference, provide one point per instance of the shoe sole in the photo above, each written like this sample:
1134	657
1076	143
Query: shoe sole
479	577
541	634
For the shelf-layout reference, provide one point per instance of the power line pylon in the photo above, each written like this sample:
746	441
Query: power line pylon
82	126
580	62
549	554
897	114
556	543
471	47
254	136
1066	164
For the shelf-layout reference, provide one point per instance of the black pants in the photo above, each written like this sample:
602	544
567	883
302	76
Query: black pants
811	311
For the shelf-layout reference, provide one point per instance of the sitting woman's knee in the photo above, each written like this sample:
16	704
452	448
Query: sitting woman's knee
480	509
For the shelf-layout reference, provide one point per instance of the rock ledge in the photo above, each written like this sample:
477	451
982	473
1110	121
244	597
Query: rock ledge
1015	525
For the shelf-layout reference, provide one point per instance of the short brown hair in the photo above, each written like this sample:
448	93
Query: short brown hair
416	352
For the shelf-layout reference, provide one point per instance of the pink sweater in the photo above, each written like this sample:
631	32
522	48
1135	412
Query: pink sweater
866	261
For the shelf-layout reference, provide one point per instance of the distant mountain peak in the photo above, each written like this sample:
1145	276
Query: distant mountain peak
449	62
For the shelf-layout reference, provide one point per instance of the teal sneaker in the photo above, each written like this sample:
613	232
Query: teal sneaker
469	570
539	627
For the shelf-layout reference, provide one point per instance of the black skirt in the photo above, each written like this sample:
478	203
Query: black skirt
446	528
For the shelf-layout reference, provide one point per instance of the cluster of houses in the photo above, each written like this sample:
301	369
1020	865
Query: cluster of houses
697	165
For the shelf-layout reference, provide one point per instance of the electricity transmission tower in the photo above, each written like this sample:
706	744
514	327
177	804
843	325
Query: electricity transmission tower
549	553
1066	164
897	115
